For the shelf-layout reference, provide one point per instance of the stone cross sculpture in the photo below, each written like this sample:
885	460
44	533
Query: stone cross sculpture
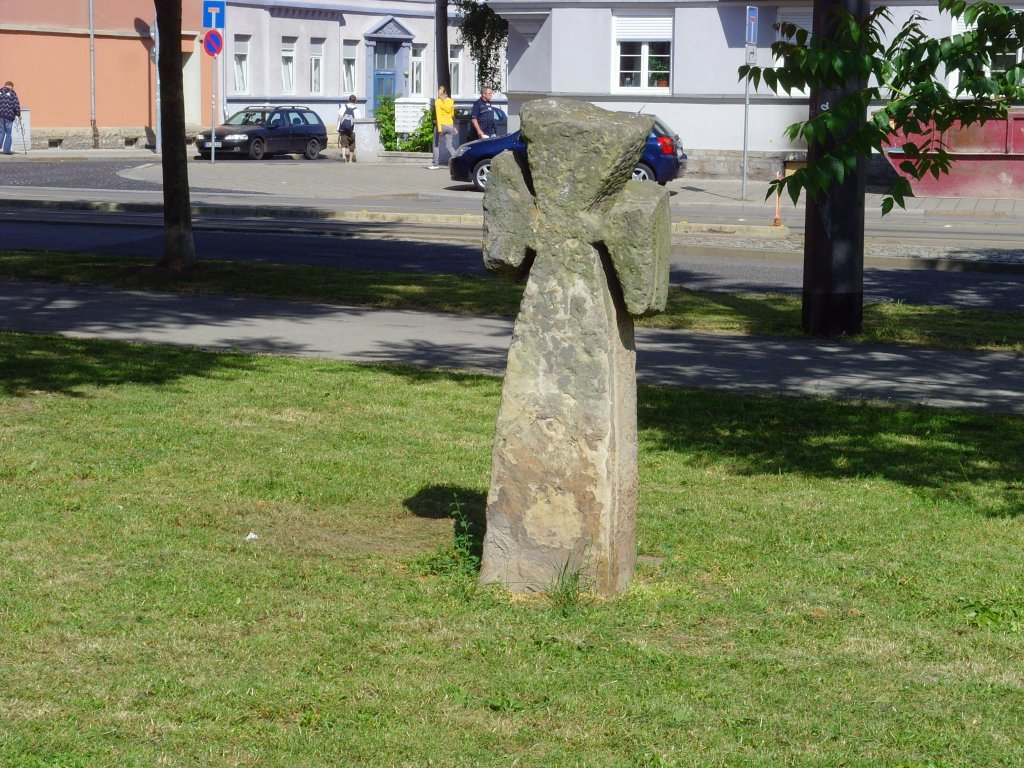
563	493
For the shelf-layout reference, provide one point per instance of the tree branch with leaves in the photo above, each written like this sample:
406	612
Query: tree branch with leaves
486	35
905	88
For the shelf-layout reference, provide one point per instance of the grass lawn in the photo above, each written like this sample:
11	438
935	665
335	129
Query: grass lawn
705	311
822	584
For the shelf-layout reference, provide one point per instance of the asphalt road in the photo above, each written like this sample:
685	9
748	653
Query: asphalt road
451	250
456	250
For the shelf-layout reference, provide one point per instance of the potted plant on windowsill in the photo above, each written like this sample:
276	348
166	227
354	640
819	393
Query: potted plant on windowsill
659	72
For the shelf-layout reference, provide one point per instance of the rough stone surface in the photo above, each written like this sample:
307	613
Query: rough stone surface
595	244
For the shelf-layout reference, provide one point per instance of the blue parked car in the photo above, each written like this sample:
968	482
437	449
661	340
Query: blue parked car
663	158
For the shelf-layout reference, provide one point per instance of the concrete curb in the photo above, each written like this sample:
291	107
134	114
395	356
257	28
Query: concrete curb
685	228
254	211
362	215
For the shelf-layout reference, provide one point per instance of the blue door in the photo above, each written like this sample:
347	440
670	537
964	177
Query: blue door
383	85
385	71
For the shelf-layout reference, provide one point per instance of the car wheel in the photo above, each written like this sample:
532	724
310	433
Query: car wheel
312	149
643	173
257	149
481	173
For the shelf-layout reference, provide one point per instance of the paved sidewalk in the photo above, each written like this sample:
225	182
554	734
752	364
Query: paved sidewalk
969	380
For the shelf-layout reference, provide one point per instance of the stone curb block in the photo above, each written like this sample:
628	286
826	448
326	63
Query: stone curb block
685	228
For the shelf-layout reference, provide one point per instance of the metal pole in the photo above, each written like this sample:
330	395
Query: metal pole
746	120
92	78
213	114
156	51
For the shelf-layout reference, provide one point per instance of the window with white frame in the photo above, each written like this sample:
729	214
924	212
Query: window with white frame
348	66
643	49
1000	64
288	64
241	58
798	16
416	70
316	64
455	68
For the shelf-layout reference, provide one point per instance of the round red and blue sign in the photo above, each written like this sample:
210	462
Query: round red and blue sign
213	42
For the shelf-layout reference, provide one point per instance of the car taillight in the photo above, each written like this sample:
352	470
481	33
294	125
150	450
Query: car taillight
668	147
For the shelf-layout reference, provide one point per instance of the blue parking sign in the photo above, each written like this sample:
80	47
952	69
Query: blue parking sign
213	14
751	25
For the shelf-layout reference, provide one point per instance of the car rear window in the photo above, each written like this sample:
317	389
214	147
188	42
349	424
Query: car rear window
312	118
660	129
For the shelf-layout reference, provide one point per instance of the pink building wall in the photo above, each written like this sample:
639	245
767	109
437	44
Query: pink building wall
44	50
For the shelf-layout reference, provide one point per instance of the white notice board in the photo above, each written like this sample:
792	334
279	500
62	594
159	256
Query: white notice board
408	113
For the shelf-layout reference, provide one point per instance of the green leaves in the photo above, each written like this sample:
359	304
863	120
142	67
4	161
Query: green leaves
858	70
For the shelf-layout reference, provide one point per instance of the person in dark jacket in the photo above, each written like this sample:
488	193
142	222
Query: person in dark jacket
482	116
10	110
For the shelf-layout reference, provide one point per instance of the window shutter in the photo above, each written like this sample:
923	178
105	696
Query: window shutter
802	17
643	28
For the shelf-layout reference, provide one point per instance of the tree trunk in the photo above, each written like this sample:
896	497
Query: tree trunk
441	45
833	292
179	247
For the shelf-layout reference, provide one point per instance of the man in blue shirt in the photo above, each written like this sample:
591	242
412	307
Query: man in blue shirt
482	116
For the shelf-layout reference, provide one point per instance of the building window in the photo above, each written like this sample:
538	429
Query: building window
1000	63
348	66
241	63
416	70
316	65
288	64
799	17
643	47
455	68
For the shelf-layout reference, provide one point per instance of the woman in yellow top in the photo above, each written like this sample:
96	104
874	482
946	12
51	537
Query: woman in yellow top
444	122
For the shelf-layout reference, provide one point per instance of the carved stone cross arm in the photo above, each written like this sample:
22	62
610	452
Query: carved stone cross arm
509	236
633	225
636	232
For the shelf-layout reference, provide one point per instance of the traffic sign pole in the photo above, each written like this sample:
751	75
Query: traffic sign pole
214	12
213	42
213	114
751	49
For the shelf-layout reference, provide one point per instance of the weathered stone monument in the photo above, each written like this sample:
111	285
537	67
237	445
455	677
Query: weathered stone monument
596	245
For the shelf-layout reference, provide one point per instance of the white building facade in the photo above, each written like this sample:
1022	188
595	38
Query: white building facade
674	58
318	53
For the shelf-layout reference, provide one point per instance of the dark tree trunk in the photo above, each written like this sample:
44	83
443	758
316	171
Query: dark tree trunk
179	247
833	292
444	76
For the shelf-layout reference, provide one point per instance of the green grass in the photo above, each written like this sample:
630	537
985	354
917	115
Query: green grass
822	584
704	311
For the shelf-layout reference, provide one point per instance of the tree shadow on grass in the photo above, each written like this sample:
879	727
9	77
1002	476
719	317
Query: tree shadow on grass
950	454
58	365
464	505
